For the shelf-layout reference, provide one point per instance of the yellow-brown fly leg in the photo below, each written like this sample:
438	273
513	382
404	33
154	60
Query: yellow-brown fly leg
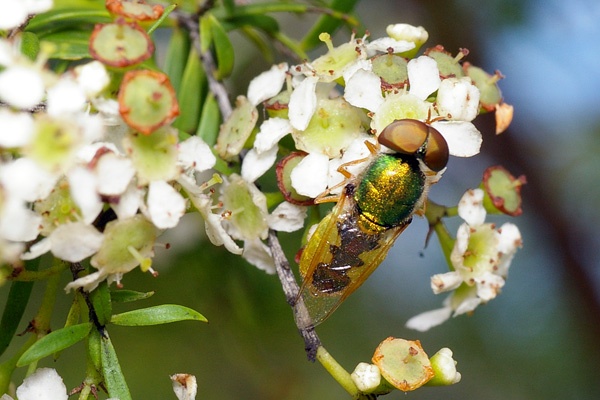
326	196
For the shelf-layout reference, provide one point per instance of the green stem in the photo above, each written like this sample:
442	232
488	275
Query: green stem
446	241
41	322
337	372
31	276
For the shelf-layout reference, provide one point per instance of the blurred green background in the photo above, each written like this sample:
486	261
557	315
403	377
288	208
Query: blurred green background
538	340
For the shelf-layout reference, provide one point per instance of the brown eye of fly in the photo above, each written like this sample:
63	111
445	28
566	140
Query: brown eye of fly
436	151
405	136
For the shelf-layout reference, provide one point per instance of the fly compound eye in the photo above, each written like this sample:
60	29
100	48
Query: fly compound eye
405	136
436	151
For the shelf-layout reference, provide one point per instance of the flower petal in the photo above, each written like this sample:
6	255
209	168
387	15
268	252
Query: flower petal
303	103
423	76
463	138
287	217
267	84
195	153
427	320
310	176
271	132
363	90
255	165
165	205
470	207
75	241
259	255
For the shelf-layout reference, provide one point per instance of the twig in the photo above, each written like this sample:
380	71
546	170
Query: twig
190	22
291	291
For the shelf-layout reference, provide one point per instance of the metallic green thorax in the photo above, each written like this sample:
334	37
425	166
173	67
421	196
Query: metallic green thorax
388	191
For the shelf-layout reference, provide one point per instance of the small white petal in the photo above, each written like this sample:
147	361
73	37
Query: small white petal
82	185
18	223
509	239
44	383
165	205
459	98
92	78
88	282
427	320
470	207
363	90
16	128
463	138
489	285
310	176
113	173
271	132
21	87
423	76
445	282
303	103
13	14
129	202
267	84
37	249
75	241
65	97
26	180
258	254
287	217
383	44
255	165
195	153
467	305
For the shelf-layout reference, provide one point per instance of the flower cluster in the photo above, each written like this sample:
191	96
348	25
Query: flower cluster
67	171
330	107
480	259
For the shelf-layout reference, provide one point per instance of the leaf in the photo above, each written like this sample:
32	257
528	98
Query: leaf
100	299
205	32
176	56
223	49
18	296
263	22
16	302
191	93
127	296
59	19
210	120
113	376
157	315
53	342
94	349
69	45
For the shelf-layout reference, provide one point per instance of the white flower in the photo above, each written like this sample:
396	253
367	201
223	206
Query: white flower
480	257
363	90
415	34
310	176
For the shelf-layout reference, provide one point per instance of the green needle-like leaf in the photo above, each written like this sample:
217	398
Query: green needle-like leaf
113	376
127	296
157	315
55	341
